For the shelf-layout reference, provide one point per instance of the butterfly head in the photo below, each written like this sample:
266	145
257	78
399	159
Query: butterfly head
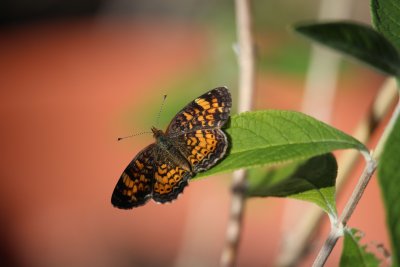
156	132
162	139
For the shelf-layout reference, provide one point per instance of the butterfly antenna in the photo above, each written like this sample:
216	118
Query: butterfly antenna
132	135
159	112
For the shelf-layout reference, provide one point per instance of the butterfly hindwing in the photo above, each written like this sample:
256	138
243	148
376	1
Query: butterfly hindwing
169	182
203	148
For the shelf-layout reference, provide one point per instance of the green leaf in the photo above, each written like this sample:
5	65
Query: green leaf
312	181
389	179
270	175
355	254
356	40
385	17
276	136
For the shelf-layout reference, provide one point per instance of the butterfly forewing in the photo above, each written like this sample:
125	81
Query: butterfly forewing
135	186
208	111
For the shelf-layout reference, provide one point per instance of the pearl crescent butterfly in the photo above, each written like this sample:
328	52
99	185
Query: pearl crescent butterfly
193	142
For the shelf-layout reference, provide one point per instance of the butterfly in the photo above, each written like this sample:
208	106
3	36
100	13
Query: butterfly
193	142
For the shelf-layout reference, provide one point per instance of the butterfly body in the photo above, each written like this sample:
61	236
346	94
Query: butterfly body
164	143
193	142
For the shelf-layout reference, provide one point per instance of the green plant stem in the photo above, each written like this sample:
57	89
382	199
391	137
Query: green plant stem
337	229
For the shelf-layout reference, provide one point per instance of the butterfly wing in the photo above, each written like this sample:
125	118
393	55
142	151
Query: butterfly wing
209	111
203	148
134	187
196	129
169	177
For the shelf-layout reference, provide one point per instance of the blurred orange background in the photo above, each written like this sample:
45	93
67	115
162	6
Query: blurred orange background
70	85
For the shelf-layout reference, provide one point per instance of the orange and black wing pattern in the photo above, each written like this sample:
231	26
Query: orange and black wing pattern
208	111
203	148
169	180
196	129
135	186
193	142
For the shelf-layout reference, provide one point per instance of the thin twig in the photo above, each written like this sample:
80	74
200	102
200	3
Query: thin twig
245	55
357	193
246	84
337	228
